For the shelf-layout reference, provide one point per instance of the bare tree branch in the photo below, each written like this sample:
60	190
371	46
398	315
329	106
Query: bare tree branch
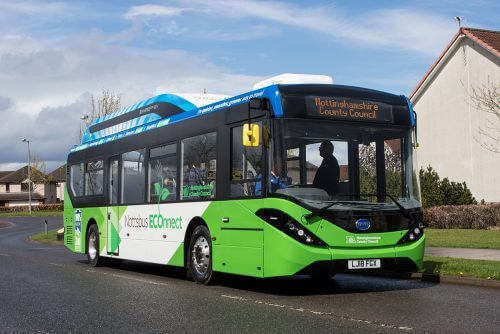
486	98
107	103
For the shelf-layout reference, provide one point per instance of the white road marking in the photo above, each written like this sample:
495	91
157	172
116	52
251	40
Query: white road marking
128	278
320	313
56	264
2	254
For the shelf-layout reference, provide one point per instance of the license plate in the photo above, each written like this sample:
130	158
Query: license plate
363	264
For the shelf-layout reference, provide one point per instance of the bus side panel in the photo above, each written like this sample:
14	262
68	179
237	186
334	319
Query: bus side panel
155	232
284	256
238	260
70	235
76	222
238	234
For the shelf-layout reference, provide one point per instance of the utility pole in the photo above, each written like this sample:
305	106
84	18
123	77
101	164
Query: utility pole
29	173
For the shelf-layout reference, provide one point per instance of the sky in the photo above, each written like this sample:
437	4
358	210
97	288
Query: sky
56	55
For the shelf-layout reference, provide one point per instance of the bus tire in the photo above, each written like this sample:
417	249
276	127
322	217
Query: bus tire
95	260
199	257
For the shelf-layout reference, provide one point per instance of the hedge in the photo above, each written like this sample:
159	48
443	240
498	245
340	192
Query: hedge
481	217
41	207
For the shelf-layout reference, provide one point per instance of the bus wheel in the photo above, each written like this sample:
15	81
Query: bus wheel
200	255
93	247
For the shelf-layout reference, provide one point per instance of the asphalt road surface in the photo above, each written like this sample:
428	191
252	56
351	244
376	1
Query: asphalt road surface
48	289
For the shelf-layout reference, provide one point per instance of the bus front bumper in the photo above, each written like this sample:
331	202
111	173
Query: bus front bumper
400	258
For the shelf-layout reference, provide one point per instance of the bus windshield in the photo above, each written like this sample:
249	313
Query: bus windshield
324	162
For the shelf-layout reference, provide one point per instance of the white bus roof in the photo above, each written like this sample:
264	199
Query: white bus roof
293	78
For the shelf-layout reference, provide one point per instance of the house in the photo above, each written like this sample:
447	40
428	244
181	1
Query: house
450	124
14	189
58	179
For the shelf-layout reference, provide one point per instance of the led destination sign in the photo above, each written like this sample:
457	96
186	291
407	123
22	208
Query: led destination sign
348	109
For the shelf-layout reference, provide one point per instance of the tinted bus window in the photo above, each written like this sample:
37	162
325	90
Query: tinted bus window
94	178
76	173
133	177
163	174
198	167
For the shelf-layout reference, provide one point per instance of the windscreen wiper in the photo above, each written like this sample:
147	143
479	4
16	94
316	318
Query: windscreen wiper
401	208
323	208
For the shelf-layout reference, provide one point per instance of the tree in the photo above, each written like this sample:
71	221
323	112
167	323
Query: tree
486	98
436	192
38	173
107	103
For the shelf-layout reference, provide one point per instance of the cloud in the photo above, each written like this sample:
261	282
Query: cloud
406	29
5	103
46	86
153	10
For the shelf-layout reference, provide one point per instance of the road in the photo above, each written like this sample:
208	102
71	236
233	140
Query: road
47	289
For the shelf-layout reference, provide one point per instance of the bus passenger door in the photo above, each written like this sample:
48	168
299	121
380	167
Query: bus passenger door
112	224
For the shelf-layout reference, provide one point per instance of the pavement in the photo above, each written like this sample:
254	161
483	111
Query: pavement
464	253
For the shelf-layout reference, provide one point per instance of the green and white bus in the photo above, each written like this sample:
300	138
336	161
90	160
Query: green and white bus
233	186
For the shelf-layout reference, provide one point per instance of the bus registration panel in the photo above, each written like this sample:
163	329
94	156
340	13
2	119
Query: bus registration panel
363	264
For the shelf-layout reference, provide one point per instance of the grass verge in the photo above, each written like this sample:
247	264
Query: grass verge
462	267
49	238
33	214
461	238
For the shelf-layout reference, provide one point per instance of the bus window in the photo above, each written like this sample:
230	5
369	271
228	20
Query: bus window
77	179
367	169
94	178
293	165
198	167
314	161
132	188
394	173
246	166
163	174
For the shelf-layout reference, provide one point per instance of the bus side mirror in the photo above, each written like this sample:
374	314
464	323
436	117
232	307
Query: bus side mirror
251	136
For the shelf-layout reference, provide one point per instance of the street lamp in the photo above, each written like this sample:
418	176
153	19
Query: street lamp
29	173
85	119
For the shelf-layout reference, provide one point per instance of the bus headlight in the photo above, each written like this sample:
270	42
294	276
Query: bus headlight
289	226
416	232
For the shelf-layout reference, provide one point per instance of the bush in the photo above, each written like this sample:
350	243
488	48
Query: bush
41	207
436	192
464	216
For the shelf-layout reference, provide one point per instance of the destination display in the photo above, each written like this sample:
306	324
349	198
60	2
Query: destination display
348	109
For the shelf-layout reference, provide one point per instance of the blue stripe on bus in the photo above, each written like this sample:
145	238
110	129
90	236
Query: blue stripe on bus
410	107
169	98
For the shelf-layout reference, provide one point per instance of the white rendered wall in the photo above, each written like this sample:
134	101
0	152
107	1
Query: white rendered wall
448	122
15	188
